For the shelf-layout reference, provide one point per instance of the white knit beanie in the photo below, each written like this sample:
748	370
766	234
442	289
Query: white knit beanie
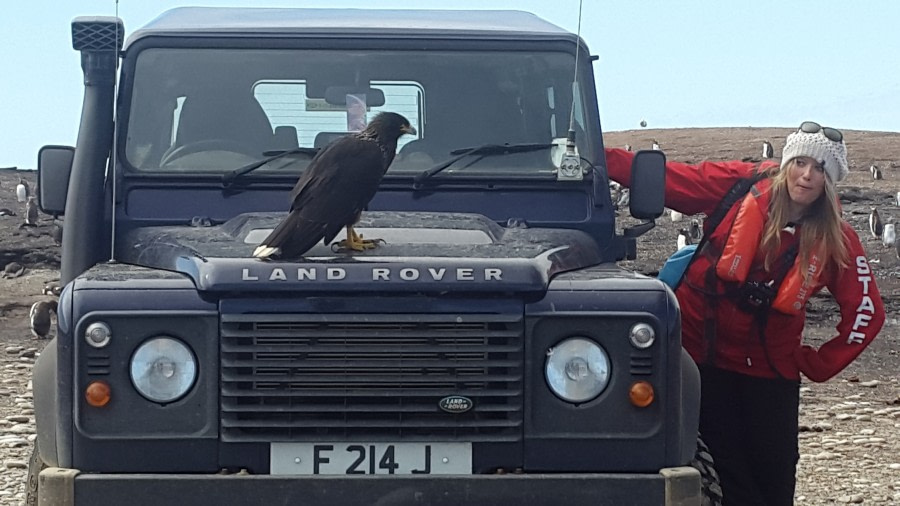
831	154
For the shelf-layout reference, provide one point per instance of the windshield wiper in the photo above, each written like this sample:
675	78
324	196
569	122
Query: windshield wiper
229	177
483	150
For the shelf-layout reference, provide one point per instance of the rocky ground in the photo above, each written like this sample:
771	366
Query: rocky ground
34	248
849	444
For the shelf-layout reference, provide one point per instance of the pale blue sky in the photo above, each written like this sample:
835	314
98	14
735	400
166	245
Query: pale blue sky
688	63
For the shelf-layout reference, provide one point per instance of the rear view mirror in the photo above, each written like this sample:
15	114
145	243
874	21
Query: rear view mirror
54	167
337	95
648	185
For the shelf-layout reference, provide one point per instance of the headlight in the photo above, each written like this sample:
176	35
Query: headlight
163	369
577	369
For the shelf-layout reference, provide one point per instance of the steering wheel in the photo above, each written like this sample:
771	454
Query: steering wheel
176	152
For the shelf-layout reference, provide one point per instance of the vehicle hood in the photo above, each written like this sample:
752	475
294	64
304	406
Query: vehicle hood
421	252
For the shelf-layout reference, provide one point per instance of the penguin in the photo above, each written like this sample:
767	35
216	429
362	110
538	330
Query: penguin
201	221
888	236
624	198
656	145
875	225
767	151
52	288
628	147
676	215
898	198
22	190
9	212
696	230
615	190
57	233
876	173
31	212
897	248
12	270
683	238
40	317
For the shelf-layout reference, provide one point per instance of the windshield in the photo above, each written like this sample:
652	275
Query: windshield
214	110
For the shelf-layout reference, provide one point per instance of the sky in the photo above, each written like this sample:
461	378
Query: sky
672	63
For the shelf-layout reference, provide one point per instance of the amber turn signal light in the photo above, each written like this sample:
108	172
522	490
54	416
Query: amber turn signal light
97	394
641	394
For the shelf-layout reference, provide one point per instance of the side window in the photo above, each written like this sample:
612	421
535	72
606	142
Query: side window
287	104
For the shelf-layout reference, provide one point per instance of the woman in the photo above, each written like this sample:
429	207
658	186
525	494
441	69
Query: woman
743	302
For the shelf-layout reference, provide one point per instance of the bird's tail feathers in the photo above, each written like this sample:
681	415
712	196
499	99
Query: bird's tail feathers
291	238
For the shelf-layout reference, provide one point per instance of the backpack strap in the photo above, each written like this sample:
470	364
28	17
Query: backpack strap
735	193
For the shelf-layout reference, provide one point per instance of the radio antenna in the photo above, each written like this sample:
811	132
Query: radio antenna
115	145
570	166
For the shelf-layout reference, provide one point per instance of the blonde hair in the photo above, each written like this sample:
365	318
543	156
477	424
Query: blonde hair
821	225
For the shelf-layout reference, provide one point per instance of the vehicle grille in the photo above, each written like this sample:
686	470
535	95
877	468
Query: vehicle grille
310	377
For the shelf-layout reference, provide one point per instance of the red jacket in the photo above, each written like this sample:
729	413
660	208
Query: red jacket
693	189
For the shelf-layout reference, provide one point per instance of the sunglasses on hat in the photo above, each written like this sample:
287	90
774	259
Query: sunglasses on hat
811	127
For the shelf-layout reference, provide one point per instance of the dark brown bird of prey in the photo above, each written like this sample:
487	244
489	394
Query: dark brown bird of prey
336	187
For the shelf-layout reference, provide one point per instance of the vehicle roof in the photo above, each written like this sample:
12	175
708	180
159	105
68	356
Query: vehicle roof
256	22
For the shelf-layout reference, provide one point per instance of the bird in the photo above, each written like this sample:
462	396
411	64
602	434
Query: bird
676	215
52	288
333	191
22	190
888	235
624	198
875	225
615	190
696	230
628	147
12	270
7	212
57	233
31	212
40	317
683	238
201	221
655	145
898	198
767	151
876	173
897	248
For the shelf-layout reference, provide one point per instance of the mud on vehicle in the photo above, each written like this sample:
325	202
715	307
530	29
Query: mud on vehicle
490	351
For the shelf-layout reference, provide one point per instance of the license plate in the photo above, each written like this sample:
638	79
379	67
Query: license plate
371	458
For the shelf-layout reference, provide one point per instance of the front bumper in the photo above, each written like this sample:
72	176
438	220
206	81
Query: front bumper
677	486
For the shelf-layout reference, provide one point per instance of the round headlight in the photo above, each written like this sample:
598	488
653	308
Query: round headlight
642	335
577	369
163	369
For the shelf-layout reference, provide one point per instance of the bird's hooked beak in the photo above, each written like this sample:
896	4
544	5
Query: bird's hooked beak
408	129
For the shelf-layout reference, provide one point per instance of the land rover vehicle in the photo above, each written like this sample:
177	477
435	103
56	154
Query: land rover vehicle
490	351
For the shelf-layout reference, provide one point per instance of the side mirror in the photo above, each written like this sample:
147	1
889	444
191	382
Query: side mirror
648	185
54	168
648	190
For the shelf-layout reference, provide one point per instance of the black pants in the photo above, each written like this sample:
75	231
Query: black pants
750	425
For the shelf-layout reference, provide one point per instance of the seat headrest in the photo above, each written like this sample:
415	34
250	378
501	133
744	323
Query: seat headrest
285	138
325	138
